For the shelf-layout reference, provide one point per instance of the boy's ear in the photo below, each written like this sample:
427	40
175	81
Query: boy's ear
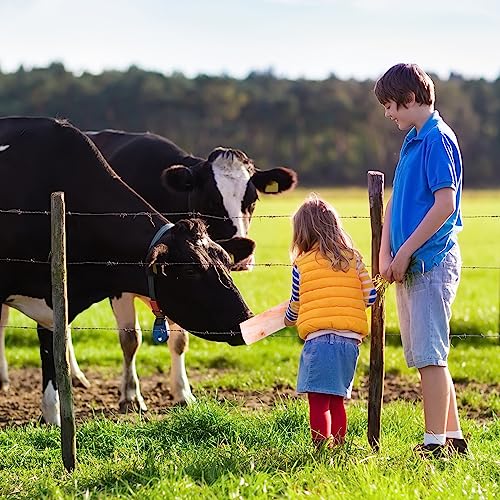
410	99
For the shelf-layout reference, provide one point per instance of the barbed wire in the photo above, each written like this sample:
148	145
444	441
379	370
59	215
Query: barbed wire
206	216
229	333
17	211
145	264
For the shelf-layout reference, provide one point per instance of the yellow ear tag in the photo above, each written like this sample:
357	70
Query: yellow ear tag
272	187
231	256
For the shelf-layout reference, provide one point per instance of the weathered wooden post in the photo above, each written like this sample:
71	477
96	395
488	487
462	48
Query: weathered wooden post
60	307
376	377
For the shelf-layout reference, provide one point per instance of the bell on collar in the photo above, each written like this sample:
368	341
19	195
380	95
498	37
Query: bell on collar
161	331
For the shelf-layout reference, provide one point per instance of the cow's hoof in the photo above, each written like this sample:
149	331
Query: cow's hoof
4	385
47	420
132	406
43	422
80	380
185	400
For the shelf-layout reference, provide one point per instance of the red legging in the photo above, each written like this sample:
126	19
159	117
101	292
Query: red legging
327	417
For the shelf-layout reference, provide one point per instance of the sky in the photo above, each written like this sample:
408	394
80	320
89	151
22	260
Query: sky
310	39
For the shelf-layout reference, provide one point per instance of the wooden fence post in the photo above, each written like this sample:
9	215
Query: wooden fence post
60	307
376	377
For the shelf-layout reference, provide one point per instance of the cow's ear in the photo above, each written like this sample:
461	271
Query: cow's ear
159	250
274	181
238	248
178	178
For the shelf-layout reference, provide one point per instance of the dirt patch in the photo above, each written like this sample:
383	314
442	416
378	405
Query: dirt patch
21	404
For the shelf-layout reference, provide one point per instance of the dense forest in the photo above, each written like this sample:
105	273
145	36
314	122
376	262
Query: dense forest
330	131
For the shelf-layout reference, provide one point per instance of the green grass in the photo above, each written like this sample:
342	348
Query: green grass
217	450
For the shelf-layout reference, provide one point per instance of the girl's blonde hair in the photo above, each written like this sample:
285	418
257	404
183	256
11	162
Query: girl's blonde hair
317	224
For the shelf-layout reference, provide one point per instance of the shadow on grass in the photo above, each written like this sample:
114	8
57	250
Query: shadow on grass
221	362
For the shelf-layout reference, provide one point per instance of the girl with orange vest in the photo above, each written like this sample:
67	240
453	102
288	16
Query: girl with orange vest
330	292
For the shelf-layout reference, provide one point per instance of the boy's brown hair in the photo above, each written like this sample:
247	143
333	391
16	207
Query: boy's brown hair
398	82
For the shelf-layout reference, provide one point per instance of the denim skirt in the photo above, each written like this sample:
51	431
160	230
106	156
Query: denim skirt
327	365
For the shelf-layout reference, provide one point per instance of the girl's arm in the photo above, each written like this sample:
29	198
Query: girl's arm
369	292
292	311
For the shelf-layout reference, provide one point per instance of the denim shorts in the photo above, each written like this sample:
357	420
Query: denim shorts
424	311
327	365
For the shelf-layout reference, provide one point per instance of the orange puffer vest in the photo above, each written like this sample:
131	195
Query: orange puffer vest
329	299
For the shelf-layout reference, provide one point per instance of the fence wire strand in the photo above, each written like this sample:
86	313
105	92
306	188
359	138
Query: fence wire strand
206	216
206	332
145	264
16	211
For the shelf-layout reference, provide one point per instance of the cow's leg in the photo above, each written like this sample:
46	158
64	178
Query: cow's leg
130	340
179	384
4	369
78	378
50	396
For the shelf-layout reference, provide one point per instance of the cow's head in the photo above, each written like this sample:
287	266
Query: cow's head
224	189
192	282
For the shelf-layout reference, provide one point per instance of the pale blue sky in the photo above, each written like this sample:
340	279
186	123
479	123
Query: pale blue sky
296	38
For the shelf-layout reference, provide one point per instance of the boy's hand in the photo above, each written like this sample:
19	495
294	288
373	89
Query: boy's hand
399	265
384	266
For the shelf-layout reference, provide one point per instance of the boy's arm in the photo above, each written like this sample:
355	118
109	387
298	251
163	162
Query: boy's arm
292	311
384	256
444	206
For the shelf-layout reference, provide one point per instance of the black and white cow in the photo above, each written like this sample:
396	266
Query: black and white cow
39	156
222	189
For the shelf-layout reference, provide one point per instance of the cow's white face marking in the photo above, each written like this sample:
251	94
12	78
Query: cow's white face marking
231	177
36	309
3	147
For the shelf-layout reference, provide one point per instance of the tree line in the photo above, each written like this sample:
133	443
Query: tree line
330	131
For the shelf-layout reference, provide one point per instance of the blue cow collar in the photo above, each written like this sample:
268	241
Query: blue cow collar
160	330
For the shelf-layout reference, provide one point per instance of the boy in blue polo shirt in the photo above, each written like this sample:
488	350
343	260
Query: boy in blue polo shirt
419	249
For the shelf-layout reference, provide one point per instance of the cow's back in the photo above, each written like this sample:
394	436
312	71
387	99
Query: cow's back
140	159
44	156
116	145
31	168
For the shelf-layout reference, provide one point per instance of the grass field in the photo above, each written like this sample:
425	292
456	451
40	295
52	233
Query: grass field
221	450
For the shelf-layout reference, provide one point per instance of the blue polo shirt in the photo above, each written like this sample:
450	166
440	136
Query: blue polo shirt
428	161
